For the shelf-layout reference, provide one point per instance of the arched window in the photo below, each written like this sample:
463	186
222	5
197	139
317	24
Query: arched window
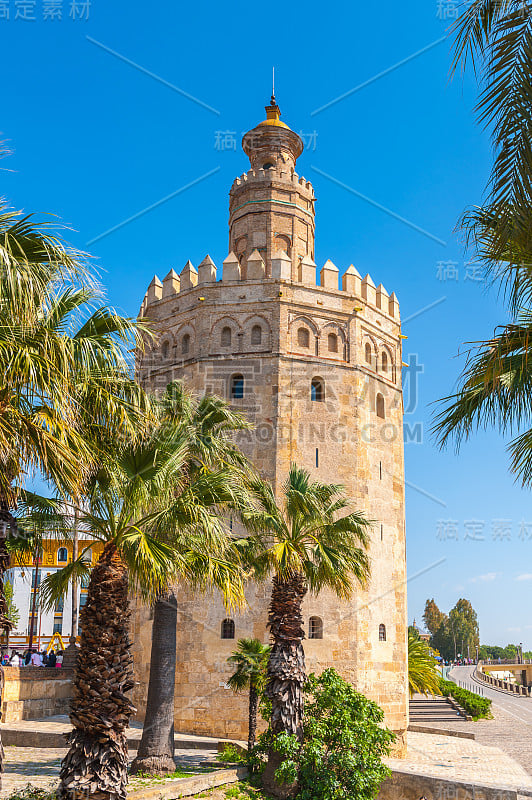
315	628
226	337
367	353
185	344
384	362
332	343
165	350
379	406
228	629
256	334
237	387
62	555
303	337
382	632
317	390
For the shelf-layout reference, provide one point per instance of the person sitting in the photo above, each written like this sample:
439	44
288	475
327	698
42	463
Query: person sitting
36	660
59	660
15	660
51	662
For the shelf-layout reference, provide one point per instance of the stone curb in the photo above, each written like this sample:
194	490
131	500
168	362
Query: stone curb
23	737
415	728
403	783
184	787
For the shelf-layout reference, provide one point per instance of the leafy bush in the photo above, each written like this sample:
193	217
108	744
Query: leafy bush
30	792
231	754
478	707
343	745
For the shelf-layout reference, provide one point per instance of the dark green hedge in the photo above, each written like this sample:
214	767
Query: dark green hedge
475	705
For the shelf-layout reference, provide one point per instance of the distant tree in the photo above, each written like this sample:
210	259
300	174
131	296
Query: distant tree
443	641
463	627
432	616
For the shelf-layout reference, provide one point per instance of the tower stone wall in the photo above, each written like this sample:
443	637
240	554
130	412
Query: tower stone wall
320	371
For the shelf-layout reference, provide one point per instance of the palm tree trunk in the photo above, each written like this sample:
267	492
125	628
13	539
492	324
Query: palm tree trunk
96	764
156	750
253	706
286	671
8	523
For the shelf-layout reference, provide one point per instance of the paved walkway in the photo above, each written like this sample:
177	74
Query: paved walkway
462	759
40	766
511	726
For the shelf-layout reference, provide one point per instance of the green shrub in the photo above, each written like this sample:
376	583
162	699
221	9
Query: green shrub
343	745
30	792
231	754
475	705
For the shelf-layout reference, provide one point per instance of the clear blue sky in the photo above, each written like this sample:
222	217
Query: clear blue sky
97	140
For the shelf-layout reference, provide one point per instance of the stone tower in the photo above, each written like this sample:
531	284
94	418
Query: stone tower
317	368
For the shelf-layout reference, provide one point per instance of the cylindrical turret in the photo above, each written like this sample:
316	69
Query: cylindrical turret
271	209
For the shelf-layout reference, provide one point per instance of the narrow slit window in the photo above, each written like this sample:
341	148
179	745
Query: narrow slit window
382	632
317	457
379	406
237	387
367	353
303	337
315	628
185	344
332	343
317	390
226	337
228	629
384	362
256	334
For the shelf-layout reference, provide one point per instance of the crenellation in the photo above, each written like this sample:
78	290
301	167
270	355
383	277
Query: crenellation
281	267
231	268
352	281
393	306
207	271
256	269
171	284
329	275
189	276
155	291
369	290
382	299
307	271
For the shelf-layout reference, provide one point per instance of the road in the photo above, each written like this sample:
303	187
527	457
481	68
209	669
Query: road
520	708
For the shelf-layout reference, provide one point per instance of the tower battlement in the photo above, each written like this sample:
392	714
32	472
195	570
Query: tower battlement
362	290
270	176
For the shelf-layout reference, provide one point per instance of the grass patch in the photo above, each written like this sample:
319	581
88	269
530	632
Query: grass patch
475	705
231	755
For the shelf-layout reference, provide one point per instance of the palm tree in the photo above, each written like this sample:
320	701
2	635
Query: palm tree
308	546
494	387
62	359
207	425
157	527
496	35
423	677
251	661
